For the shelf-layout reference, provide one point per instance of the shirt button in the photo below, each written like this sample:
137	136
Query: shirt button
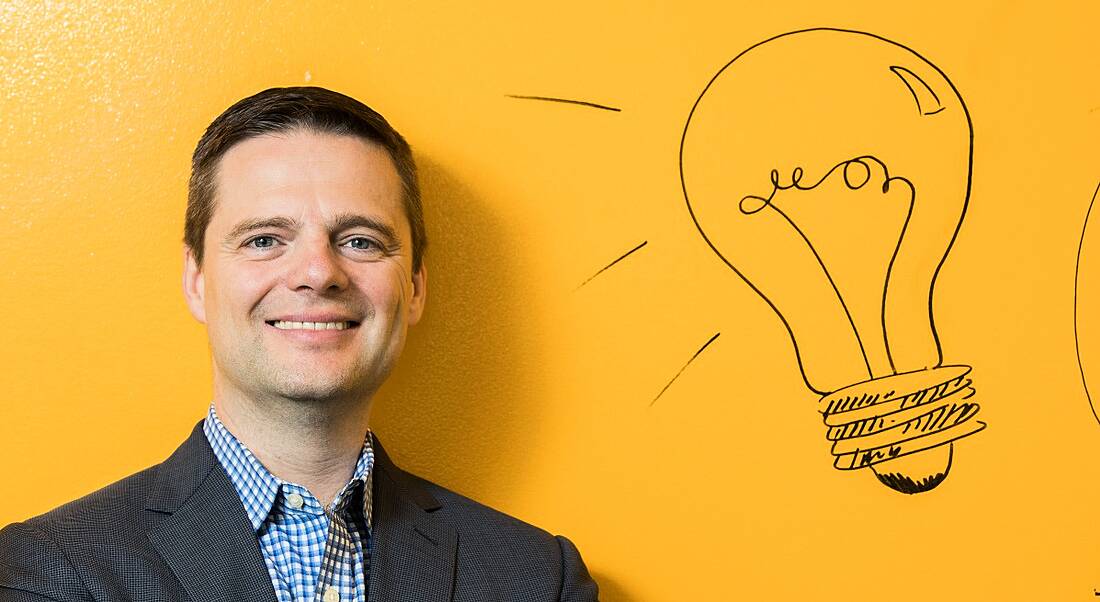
331	595
295	501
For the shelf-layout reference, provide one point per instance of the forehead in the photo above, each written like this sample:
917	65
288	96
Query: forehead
301	172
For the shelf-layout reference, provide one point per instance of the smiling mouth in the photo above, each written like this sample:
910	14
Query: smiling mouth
286	325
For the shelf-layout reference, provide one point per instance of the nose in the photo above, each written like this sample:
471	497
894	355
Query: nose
315	265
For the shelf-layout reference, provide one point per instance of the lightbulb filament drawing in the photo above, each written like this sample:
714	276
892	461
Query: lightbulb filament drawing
855	174
830	170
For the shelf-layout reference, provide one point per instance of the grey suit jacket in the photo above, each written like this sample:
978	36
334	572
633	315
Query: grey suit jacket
178	531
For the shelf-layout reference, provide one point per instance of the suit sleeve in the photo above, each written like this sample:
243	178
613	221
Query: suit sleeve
34	569
577	585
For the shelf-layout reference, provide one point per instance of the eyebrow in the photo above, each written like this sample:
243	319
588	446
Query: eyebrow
249	225
347	221
339	223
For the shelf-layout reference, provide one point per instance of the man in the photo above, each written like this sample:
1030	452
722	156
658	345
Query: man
303	256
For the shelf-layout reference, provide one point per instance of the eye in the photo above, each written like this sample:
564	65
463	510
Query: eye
261	242
362	243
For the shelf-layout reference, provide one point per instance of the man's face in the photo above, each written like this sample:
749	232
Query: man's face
306	287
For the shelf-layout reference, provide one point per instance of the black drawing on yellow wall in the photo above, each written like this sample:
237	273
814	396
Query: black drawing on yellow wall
1086	287
583	103
621	257
688	363
830	170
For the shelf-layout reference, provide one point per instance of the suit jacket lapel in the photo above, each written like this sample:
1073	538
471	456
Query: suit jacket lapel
412	551
207	540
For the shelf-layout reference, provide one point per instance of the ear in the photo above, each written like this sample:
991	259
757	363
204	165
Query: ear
194	285
419	294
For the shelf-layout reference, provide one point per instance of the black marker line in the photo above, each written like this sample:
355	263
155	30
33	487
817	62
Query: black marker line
962	216
1076	277
893	258
920	108
926	484
877	451
582	103
624	256
829	277
705	345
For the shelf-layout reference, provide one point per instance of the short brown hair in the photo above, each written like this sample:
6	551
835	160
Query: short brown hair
278	110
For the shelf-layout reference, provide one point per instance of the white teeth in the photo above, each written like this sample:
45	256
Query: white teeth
284	325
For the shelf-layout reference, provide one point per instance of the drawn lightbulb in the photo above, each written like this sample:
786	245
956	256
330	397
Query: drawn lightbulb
830	170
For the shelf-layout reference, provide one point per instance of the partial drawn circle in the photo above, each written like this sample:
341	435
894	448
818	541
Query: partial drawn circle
1086	305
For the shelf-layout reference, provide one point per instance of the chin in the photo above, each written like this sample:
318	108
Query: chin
313	385
313	382
315	389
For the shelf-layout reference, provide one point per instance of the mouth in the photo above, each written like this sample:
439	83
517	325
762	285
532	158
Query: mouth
291	325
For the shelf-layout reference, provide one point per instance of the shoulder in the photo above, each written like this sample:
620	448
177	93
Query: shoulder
497	548
119	509
477	524
474	518
40	555
107	511
104	535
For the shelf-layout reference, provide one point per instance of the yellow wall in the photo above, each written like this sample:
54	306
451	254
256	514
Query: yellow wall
521	388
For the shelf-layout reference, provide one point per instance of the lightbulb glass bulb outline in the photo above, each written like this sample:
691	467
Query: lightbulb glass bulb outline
910	381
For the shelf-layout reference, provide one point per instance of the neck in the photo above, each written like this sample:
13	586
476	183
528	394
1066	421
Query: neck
315	444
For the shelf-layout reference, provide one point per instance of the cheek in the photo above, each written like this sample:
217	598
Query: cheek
234	296
387	289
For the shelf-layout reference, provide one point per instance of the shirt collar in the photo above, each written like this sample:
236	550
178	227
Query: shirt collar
258	488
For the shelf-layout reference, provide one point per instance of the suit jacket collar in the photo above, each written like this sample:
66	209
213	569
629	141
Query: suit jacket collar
210	545
413	551
207	539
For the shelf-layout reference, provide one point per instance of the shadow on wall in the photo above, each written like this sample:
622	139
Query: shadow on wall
459	407
610	591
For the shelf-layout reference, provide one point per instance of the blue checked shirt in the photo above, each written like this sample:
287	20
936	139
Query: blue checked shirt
313	553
